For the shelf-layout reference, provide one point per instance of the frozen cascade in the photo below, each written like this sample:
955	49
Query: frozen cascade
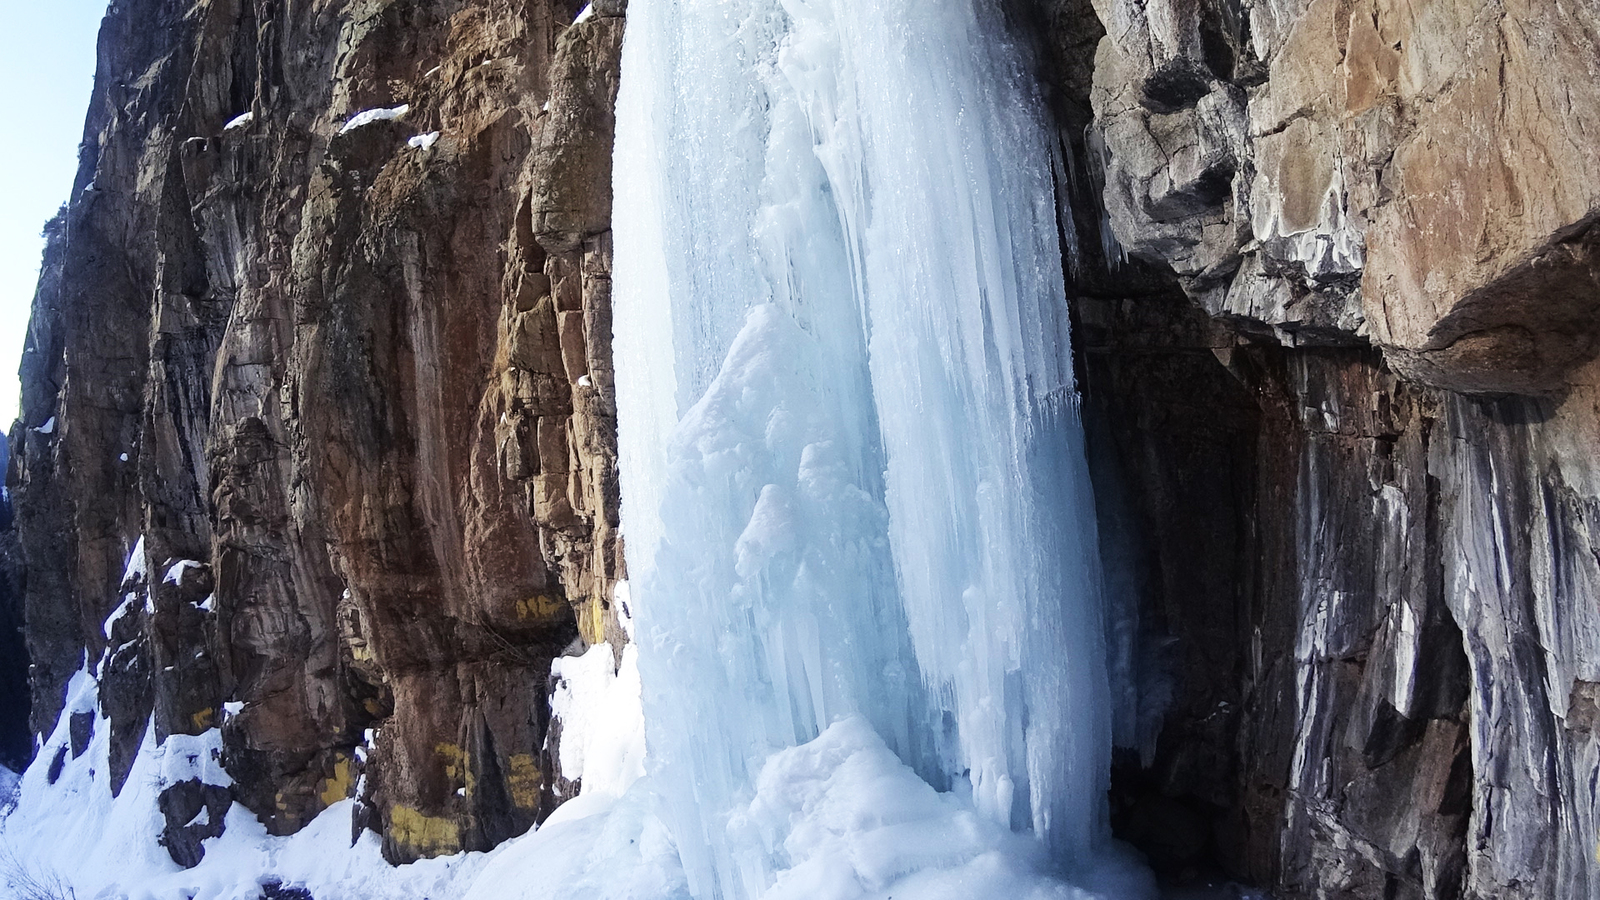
853	476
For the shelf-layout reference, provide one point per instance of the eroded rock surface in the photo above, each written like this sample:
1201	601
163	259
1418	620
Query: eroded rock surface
318	438
1420	175
1345	454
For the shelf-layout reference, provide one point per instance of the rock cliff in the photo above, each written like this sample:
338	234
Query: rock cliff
319	445
1338	349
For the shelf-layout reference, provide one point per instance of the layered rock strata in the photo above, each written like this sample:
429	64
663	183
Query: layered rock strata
318	439
1338	359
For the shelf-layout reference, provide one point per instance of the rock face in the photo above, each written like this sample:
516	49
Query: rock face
1340	385
1404	173
16	737
318	438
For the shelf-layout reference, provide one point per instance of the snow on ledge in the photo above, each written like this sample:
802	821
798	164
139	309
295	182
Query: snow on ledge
138	565
239	121
423	141
121	610
175	571
367	117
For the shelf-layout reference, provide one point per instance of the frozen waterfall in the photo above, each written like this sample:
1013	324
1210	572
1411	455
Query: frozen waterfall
854	491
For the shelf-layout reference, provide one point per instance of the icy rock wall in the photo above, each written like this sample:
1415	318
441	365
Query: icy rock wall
852	467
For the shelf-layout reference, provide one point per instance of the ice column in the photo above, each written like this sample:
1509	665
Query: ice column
853	476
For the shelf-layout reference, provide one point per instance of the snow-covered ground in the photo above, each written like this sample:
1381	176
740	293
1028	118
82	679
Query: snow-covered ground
74	832
849	817
69	833
851	820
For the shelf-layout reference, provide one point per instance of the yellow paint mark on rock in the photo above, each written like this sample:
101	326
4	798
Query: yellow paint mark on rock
424	835
455	766
524	781
338	787
204	719
592	623
540	606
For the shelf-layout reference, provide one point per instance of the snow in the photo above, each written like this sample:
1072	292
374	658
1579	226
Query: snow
105	847
591	848
138	565
585	15
48	427
423	141
853	821
622	602
208	604
432	72
602	722
123	608
239	121
123	457
175	571
367	117
584	381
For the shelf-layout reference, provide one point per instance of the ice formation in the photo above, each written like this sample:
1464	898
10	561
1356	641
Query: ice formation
853	479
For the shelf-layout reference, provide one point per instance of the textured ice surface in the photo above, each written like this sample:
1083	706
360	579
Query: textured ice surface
853	480
854	822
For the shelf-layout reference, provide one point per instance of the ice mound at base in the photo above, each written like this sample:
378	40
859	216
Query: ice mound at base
842	818
855	823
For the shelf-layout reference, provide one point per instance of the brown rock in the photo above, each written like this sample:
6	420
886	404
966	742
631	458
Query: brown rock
1397	164
326	366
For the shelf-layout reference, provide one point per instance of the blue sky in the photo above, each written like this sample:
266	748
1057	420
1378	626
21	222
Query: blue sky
47	53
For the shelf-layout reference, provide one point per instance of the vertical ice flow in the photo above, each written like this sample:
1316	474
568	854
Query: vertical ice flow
853	474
